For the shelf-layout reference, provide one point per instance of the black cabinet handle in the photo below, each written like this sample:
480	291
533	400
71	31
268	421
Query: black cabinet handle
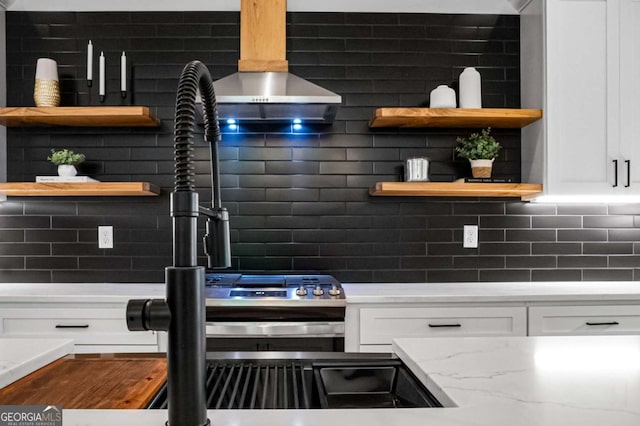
72	326
615	173
444	325
628	163
603	323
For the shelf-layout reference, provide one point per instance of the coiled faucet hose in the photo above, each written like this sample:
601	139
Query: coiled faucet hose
194	75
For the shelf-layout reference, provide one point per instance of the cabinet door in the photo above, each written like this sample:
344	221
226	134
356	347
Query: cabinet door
630	94
582	97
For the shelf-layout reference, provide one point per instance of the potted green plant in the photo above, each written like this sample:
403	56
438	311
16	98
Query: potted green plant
480	149
66	160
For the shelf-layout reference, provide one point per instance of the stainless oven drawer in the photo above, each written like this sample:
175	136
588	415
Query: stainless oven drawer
274	329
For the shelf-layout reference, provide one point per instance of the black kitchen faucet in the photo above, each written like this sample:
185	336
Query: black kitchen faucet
182	314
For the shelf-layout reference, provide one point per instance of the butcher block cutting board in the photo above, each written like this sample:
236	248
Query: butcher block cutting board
90	382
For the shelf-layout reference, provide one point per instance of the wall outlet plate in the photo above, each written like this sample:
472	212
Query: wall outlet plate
470	236
105	237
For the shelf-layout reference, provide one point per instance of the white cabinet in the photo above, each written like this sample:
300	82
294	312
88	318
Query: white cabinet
584	320
94	327
378	326
580	63
630	91
372	327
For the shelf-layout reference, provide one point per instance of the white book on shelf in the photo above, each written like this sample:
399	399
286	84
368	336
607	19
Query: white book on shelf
68	179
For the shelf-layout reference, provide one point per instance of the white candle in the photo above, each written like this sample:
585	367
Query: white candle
89	63
102	85
123	74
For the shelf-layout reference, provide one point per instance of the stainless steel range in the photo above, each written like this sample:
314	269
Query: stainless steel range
274	312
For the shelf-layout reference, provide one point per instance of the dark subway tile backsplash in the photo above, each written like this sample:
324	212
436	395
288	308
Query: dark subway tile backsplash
298	202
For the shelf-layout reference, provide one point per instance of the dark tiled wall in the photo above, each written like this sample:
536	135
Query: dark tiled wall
299	202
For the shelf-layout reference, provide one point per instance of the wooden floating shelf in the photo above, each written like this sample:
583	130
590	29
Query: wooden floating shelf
456	189
455	117
64	189
107	116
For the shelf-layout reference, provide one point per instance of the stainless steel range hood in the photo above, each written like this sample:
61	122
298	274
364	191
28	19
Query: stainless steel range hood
274	96
263	89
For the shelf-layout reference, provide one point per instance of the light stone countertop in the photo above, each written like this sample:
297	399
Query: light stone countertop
79	292
559	380
600	291
355	292
19	357
535	381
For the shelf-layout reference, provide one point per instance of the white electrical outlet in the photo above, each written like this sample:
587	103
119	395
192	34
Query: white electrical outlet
105	236
470	238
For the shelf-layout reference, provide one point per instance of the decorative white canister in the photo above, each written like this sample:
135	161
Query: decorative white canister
443	97
46	90
470	89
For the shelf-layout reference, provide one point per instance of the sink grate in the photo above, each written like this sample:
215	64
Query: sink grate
309	384
255	386
264	386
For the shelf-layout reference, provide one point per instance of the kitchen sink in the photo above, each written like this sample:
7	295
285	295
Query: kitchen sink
298	380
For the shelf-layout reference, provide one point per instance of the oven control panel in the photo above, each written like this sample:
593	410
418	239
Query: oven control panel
252	287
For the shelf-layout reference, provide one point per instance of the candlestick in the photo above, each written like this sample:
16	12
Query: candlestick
123	75
102	85
89	63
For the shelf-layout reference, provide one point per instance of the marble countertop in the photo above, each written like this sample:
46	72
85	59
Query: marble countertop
79	292
19	357
493	292
541	381
355	292
577	380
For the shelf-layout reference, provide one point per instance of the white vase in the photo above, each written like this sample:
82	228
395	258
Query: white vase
46	90
470	89
481	168
442	97
66	170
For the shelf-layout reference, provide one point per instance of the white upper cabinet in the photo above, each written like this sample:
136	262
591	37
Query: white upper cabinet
582	140
630	93
581	63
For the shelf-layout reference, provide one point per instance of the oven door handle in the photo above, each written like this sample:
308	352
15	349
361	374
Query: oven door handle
284	329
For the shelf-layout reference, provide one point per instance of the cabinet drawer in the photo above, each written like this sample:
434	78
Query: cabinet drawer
378	326
84	326
584	320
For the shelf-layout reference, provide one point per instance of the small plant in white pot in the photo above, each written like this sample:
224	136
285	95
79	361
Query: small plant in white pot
66	160
480	149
